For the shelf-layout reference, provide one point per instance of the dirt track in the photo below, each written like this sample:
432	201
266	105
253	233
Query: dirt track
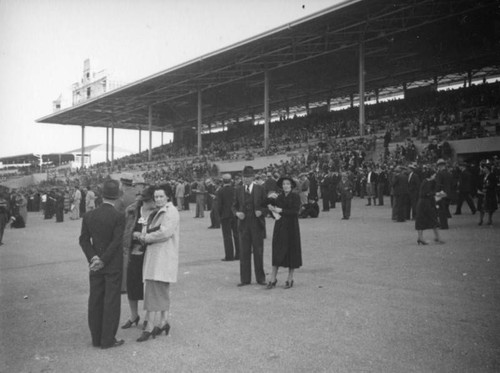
367	299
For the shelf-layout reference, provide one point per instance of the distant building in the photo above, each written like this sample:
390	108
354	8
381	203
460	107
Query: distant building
94	154
91	85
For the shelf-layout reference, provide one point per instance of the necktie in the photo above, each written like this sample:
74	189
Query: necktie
248	189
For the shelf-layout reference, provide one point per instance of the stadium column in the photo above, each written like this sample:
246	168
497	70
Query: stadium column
266	110
361	88
112	146
83	147
199	122
140	140
150	126
107	145
161	137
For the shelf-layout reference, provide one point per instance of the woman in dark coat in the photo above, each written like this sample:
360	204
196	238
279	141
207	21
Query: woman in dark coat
287	250
487	197
426	212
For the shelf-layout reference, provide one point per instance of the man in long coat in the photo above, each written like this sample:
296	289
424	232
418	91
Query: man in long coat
101	240
229	224
248	208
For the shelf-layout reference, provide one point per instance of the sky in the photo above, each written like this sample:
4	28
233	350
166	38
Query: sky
43	44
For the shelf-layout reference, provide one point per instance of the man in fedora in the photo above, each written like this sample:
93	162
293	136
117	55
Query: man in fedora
101	239
249	209
228	221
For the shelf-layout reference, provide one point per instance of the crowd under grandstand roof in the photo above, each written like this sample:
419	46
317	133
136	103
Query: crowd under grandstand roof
312	60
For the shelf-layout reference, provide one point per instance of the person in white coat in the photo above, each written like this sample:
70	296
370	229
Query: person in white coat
161	263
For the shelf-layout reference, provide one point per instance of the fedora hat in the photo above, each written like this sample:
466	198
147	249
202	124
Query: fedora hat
248	171
111	189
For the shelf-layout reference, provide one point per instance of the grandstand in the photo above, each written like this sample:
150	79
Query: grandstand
281	91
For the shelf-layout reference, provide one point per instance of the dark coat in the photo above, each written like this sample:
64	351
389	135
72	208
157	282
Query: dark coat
400	184
443	182
102	235
259	198
225	196
426	217
465	181
413	184
487	186
287	251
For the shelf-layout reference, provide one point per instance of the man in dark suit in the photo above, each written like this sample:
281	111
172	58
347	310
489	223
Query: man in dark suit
413	189
325	187
443	184
225	196
248	208
464	189
101	239
381	184
400	185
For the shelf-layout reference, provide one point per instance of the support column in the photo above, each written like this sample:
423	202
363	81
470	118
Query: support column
161	137
140	139
361	89
107	145
199	122
150	126
266	110
83	147
469	78
112	146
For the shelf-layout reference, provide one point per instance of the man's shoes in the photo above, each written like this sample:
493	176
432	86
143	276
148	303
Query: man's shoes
116	343
243	284
226	260
457	213
262	283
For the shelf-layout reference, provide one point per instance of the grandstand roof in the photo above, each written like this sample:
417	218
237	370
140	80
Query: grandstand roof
310	59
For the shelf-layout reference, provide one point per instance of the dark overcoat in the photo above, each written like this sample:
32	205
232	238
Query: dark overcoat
287	251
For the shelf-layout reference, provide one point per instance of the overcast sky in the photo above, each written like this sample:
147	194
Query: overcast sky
43	44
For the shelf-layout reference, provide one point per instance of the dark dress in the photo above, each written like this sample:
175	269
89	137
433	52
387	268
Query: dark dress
287	250
426	217
487	201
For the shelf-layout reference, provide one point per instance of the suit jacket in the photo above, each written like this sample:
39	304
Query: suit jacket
102	235
259	198
225	196
400	184
443	182
414	184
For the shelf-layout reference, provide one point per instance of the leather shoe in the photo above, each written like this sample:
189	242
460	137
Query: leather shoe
116	343
262	283
226	260
243	284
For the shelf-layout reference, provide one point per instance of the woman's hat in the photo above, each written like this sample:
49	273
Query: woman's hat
440	161
148	194
111	189
281	179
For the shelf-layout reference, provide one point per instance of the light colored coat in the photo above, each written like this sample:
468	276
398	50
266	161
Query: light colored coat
161	261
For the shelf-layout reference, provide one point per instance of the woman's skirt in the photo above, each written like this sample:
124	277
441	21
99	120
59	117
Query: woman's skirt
156	295
135	287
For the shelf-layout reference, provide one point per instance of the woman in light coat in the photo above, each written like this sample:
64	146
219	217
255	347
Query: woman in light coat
161	263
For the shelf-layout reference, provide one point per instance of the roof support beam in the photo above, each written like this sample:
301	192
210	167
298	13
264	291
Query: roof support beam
266	110
150	125
361	88
199	122
112	145
83	147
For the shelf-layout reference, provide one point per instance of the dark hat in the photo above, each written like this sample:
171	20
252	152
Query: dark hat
281	179
148	193
248	171
111	189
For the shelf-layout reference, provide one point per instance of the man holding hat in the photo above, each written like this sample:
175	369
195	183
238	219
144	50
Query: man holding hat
249	209
229	224
101	239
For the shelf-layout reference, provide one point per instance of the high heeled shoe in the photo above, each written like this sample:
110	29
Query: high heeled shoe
156	331
165	328
288	284
144	336
129	323
272	284
422	242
